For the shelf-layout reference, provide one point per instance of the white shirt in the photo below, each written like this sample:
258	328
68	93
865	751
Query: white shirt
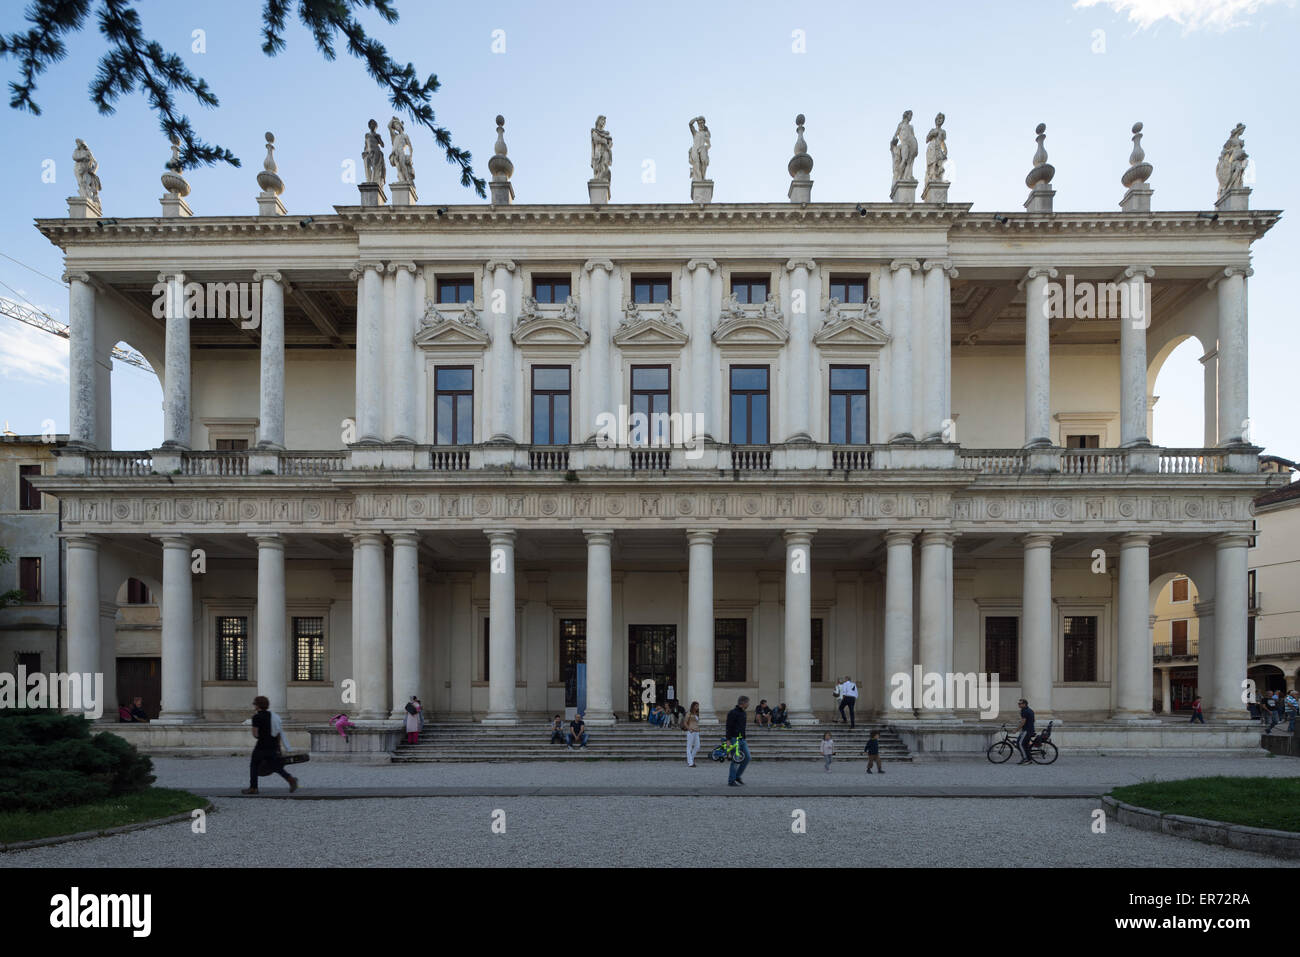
850	689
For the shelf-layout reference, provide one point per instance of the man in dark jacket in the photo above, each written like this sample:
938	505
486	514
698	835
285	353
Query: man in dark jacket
736	732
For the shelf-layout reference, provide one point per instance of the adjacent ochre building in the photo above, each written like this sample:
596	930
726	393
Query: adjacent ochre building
911	441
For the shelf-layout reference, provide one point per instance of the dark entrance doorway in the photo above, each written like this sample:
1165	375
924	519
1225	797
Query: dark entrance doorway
143	677
1182	688
651	654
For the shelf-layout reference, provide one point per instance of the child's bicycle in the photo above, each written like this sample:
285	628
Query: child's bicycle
728	750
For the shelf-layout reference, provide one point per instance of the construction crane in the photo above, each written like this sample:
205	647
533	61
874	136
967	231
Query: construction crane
47	323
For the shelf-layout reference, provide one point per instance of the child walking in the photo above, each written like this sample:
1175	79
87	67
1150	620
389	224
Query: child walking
828	749
873	752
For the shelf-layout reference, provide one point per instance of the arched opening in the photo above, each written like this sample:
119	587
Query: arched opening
1175	637
1267	678
1176	387
136	402
138	643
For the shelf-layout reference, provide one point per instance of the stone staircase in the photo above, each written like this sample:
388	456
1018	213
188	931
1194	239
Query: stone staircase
635	741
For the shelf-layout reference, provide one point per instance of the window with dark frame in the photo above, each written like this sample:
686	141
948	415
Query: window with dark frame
729	649
309	649
1178	636
232	648
552	402
1080	640
848	405
573	652
30	660
749	405
649	290
552	289
818	658
652	396
453	405
1252	599
137	592
455	289
1083	441
29	578
751	290
1178	589
29	496
849	289
231	445
1002	647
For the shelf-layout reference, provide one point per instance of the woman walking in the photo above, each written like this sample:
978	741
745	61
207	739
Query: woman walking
691	725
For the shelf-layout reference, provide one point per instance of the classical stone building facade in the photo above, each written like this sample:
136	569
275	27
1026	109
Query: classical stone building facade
409	471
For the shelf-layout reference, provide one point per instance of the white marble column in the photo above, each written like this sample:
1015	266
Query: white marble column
936	347
1234	407
370	644
1231	604
83	608
1133	357
936	609
82	369
699	622
406	622
1136	655
270	423
501	397
701	330
798	626
1166	699
901	427
1207	645
601	397
600	629
176	375
797	368
898	617
501	638
401	383
1210	398
178	702
1036	638
370	339
272	644
1038	376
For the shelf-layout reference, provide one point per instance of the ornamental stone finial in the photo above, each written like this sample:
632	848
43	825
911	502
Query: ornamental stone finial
268	201
173	203
936	155
1231	171
800	166
1039	179
501	168
1138	197
85	205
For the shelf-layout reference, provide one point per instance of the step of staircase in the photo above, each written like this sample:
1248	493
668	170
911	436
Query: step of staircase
466	741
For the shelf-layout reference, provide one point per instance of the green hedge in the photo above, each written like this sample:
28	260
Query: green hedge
50	760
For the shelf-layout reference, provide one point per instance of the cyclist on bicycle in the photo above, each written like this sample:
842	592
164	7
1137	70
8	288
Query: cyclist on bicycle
1025	731
736	733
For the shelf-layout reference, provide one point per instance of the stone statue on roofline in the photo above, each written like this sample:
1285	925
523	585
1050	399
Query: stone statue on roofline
902	148
698	154
84	167
372	156
400	157
936	152
602	151
1231	168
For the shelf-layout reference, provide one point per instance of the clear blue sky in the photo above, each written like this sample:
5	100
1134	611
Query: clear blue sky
995	70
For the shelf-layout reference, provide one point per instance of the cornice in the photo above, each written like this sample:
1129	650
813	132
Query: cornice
86	232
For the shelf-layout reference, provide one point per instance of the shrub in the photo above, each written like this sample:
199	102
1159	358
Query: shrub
50	760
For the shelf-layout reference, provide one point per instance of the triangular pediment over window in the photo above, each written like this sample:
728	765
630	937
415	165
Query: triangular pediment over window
852	331
549	330
650	331
451	333
750	329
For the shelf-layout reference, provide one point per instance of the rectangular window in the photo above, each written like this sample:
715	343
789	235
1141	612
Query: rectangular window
1178	636
1083	441
453	405
551	404
652	397
137	592
849	289
232	445
456	289
750	290
1080	640
1001	647
573	652
31	660
309	649
1252	599
29	578
232	648
651	289
848	405
818	658
729	649
29	497
1178	589
551	289
749	405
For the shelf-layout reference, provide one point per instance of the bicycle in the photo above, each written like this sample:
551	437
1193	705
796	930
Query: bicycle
728	750
1041	749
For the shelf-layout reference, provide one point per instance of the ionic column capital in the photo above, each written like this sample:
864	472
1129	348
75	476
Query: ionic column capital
792	264
393	267
170	275
593	264
898	264
359	269
1228	272
1134	272
78	276
694	264
494	264
269	273
1033	272
943	264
